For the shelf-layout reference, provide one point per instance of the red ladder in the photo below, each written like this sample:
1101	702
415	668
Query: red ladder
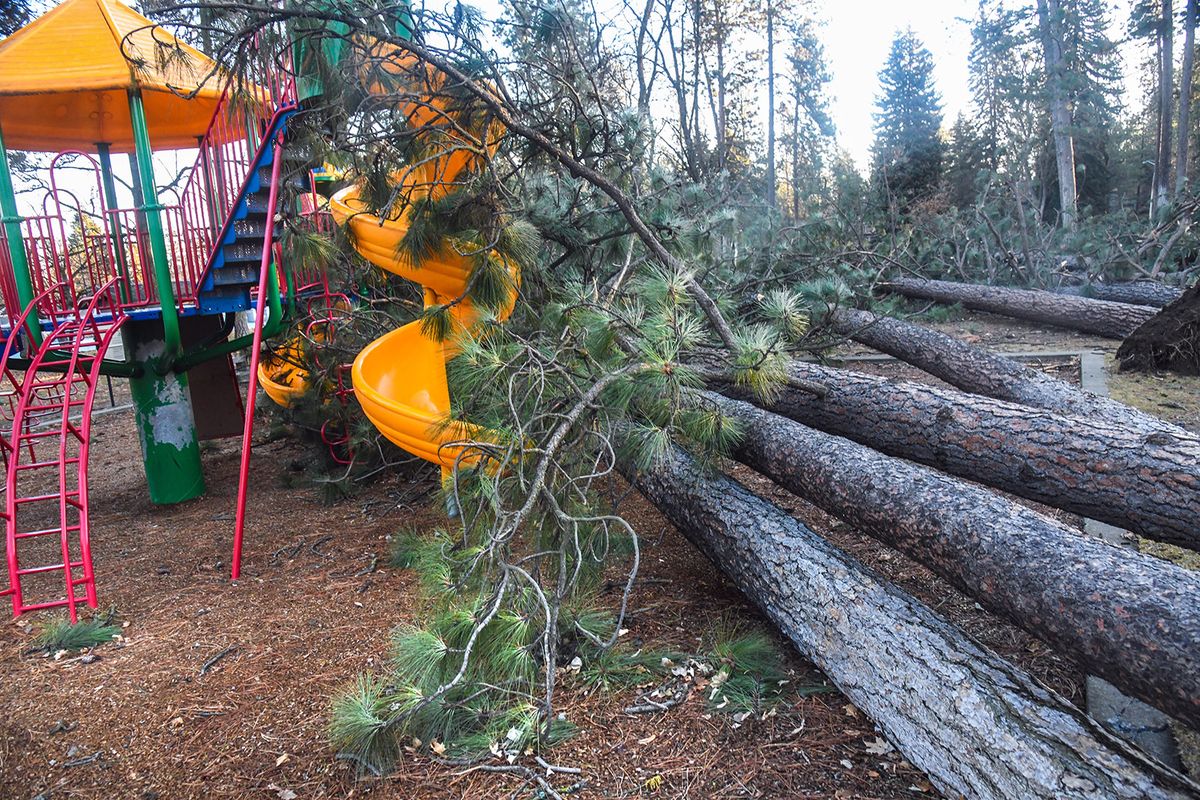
10	385
46	499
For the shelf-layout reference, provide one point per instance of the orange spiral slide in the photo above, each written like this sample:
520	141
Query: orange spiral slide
400	378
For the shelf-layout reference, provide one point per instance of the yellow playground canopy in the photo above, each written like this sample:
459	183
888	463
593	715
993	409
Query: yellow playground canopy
65	77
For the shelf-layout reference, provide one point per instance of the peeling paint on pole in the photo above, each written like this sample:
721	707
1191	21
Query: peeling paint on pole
163	413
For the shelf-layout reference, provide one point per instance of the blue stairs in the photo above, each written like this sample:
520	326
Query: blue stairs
233	267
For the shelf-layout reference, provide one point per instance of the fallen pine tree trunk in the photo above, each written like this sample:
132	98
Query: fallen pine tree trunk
1149	484
979	372
976	725
1168	340
1138	293
1113	320
1130	618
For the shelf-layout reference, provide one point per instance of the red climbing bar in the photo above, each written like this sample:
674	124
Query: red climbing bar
264	271
64	450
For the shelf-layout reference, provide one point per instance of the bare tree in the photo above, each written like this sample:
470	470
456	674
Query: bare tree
675	68
1166	84
771	193
644	39
1185	96
1051	29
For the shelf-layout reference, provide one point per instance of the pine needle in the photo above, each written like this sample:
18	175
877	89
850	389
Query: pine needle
60	634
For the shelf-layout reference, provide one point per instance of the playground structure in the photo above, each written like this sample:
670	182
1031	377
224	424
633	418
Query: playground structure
166	273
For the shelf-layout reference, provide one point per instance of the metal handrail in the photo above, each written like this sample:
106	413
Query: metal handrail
264	270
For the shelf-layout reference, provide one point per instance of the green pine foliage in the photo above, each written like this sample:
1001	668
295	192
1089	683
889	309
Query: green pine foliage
616	668
603	361
750	675
908	150
432	693
358	725
60	633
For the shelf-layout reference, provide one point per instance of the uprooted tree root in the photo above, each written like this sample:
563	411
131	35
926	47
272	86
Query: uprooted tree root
1168	340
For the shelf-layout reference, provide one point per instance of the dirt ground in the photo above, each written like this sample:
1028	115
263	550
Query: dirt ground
222	690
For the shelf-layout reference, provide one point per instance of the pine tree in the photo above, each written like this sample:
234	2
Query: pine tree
968	156
908	149
1005	75
1012	101
809	129
13	15
1152	21
1093	72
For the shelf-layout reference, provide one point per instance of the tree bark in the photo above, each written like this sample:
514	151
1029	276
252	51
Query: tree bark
645	84
1149	484
976	725
980	372
1169	340
1112	320
1050	27
795	155
1185	97
1138	293
772	195
1130	618
1166	87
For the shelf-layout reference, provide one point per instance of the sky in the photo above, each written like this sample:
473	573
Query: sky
857	36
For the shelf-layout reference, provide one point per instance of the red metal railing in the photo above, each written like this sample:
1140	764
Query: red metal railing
266	264
77	248
53	423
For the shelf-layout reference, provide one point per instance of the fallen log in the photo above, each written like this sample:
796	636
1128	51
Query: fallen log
1146	483
980	372
976	725
1168	340
1131	619
1113	320
1138	293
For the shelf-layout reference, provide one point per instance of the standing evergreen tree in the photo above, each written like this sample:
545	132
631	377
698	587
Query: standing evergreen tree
1186	76
1050	26
908	151
13	15
1094	85
1153	22
1006	78
809	128
968	156
1015	99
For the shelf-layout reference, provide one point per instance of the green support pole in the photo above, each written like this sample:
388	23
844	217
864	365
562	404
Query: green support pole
158	241
16	246
162	403
114	224
163	413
